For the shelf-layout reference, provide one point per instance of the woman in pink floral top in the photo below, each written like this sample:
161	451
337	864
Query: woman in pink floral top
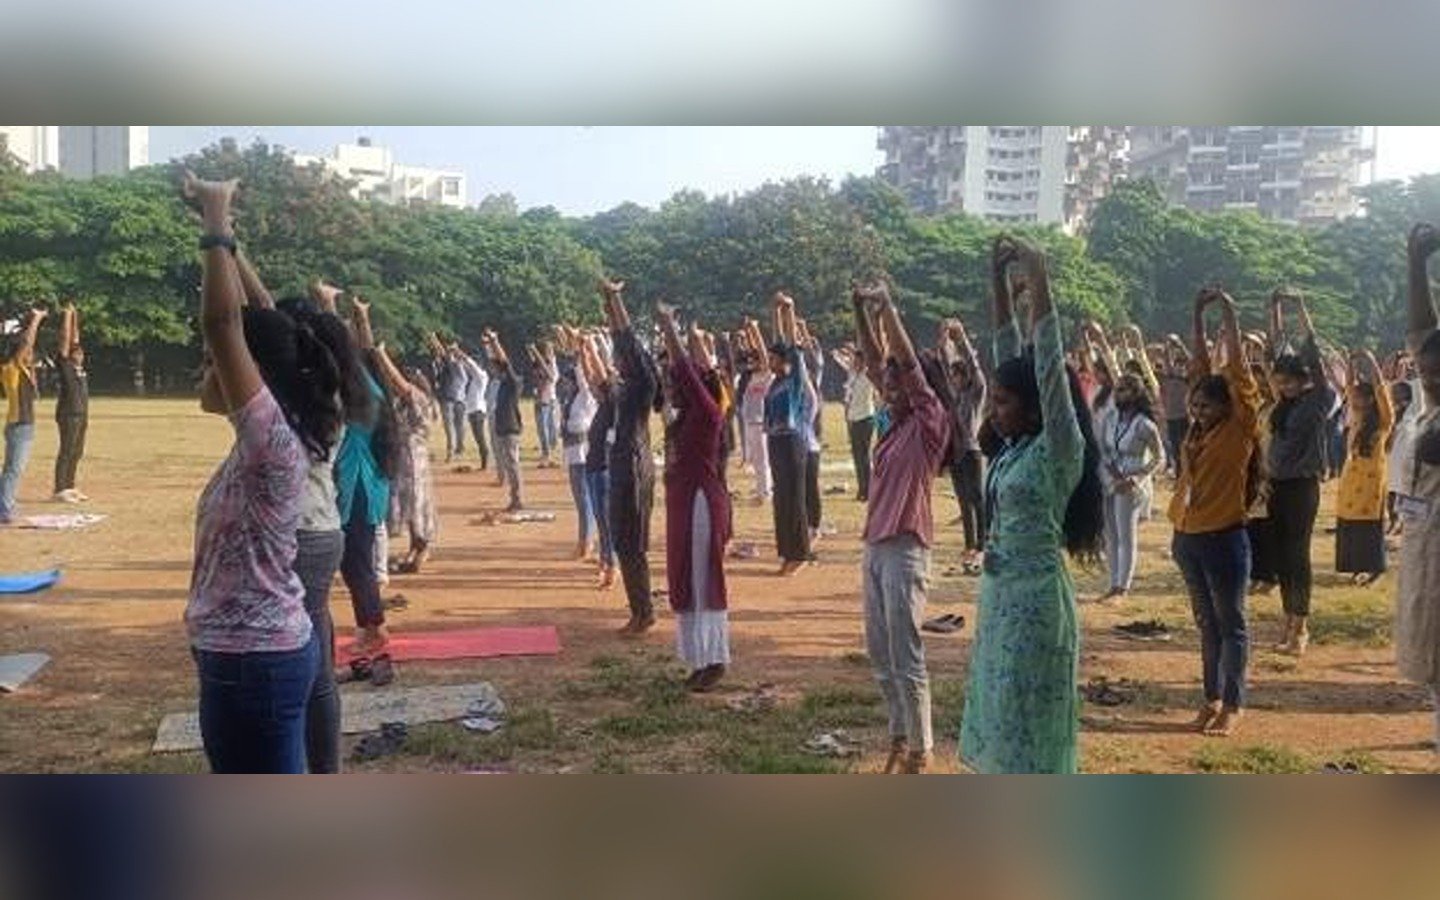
248	628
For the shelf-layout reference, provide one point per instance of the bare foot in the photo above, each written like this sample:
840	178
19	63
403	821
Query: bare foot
1225	724
1208	714
607	578
899	749
638	626
916	763
790	567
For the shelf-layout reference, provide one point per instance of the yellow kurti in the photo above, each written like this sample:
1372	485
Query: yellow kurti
1363	485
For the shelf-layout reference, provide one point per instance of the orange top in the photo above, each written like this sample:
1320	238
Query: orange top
1210	495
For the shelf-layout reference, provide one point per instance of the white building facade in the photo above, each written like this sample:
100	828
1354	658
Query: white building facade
376	176
90	150
37	147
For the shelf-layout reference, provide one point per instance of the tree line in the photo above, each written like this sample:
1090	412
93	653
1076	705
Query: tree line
123	249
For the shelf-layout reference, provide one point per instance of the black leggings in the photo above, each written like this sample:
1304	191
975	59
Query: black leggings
1294	504
787	467
357	566
967	474
812	490
861	435
477	428
72	448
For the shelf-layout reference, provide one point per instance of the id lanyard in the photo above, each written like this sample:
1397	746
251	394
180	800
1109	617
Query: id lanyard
1003	464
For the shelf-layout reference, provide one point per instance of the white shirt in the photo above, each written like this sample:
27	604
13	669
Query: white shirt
477	388
1131	447
319	499
577	421
752	405
859	397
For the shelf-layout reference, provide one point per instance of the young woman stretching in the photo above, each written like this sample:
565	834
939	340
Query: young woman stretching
632	469
17	381
697	516
1417	602
1211	546
1360	501
900	526
1131	450
72	406
785	430
969	389
1043	496
576	410
600	379
1298	428
254	646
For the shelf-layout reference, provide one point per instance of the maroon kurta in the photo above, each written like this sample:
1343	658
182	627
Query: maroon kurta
693	465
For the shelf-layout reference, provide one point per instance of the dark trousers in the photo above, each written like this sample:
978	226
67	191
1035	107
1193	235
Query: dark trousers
477	428
787	468
1216	567
632	499
812	491
357	566
967	475
316	564
72	448
1294	504
1175	430
862	433
252	709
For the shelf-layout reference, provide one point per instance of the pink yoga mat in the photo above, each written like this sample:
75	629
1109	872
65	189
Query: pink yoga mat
468	643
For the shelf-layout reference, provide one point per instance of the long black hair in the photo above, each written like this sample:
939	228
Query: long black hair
355	393
1084	524
1370	426
1144	405
933	368
301	375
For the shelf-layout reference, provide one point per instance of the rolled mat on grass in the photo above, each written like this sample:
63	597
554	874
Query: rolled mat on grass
59	521
19	668
468	643
28	582
360	711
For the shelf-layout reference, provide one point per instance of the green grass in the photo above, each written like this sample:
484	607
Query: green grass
1216	758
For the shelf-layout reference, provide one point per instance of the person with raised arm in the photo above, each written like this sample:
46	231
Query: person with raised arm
1304	402
1175	399
755	388
859	416
969	389
811	425
600	380
508	425
413	504
900	525
632	468
255	648
1043	496
575	408
366	467
697	513
1417	598
72	406
477	409
1360	500
1211	546
450	378
17	380
785	439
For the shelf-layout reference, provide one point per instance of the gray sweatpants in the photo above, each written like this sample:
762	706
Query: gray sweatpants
895	573
507	458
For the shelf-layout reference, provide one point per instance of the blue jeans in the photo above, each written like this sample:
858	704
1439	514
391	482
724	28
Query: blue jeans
18	439
598	486
252	709
584	511
545	424
1216	567
316	562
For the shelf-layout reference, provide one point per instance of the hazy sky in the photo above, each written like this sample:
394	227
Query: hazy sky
581	170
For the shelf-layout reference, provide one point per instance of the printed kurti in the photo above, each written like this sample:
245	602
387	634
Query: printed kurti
1363	483
1021	709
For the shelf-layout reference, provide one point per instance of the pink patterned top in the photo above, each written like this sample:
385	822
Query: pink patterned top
244	594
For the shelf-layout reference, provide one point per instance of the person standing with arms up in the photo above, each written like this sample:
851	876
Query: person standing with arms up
17	378
785	433
1043	496
632	468
1298	432
900	525
477	407
543	376
1360	500
72	406
754	388
859	416
506	413
1417	600
968	389
450	391
1216	487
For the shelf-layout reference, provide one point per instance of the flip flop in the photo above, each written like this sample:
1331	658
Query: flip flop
386	742
946	624
359	670
382	670
397	603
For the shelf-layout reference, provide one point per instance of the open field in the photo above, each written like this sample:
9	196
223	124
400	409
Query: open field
120	661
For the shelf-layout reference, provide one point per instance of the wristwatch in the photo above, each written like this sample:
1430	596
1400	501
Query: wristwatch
218	240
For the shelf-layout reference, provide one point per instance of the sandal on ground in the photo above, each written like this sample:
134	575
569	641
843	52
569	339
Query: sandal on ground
358	670
382	670
386	742
397	603
946	624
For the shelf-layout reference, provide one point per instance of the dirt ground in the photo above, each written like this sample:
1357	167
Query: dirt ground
120	661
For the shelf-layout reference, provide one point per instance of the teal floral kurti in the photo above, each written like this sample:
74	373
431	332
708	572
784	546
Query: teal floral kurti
1021	708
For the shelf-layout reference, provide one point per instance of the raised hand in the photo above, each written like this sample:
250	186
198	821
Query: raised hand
209	196
611	288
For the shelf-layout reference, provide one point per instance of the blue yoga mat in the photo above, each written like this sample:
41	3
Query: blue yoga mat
28	582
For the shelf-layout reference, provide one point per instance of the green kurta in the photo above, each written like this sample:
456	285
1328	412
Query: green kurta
1021	704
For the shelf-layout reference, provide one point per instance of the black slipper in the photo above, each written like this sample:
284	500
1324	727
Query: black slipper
382	670
386	742
397	603
359	670
946	624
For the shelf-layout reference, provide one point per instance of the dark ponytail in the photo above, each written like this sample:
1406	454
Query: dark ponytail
301	374
355	394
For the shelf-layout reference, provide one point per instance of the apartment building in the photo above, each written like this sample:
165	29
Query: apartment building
90	150
1305	174
37	147
1010	173
377	176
